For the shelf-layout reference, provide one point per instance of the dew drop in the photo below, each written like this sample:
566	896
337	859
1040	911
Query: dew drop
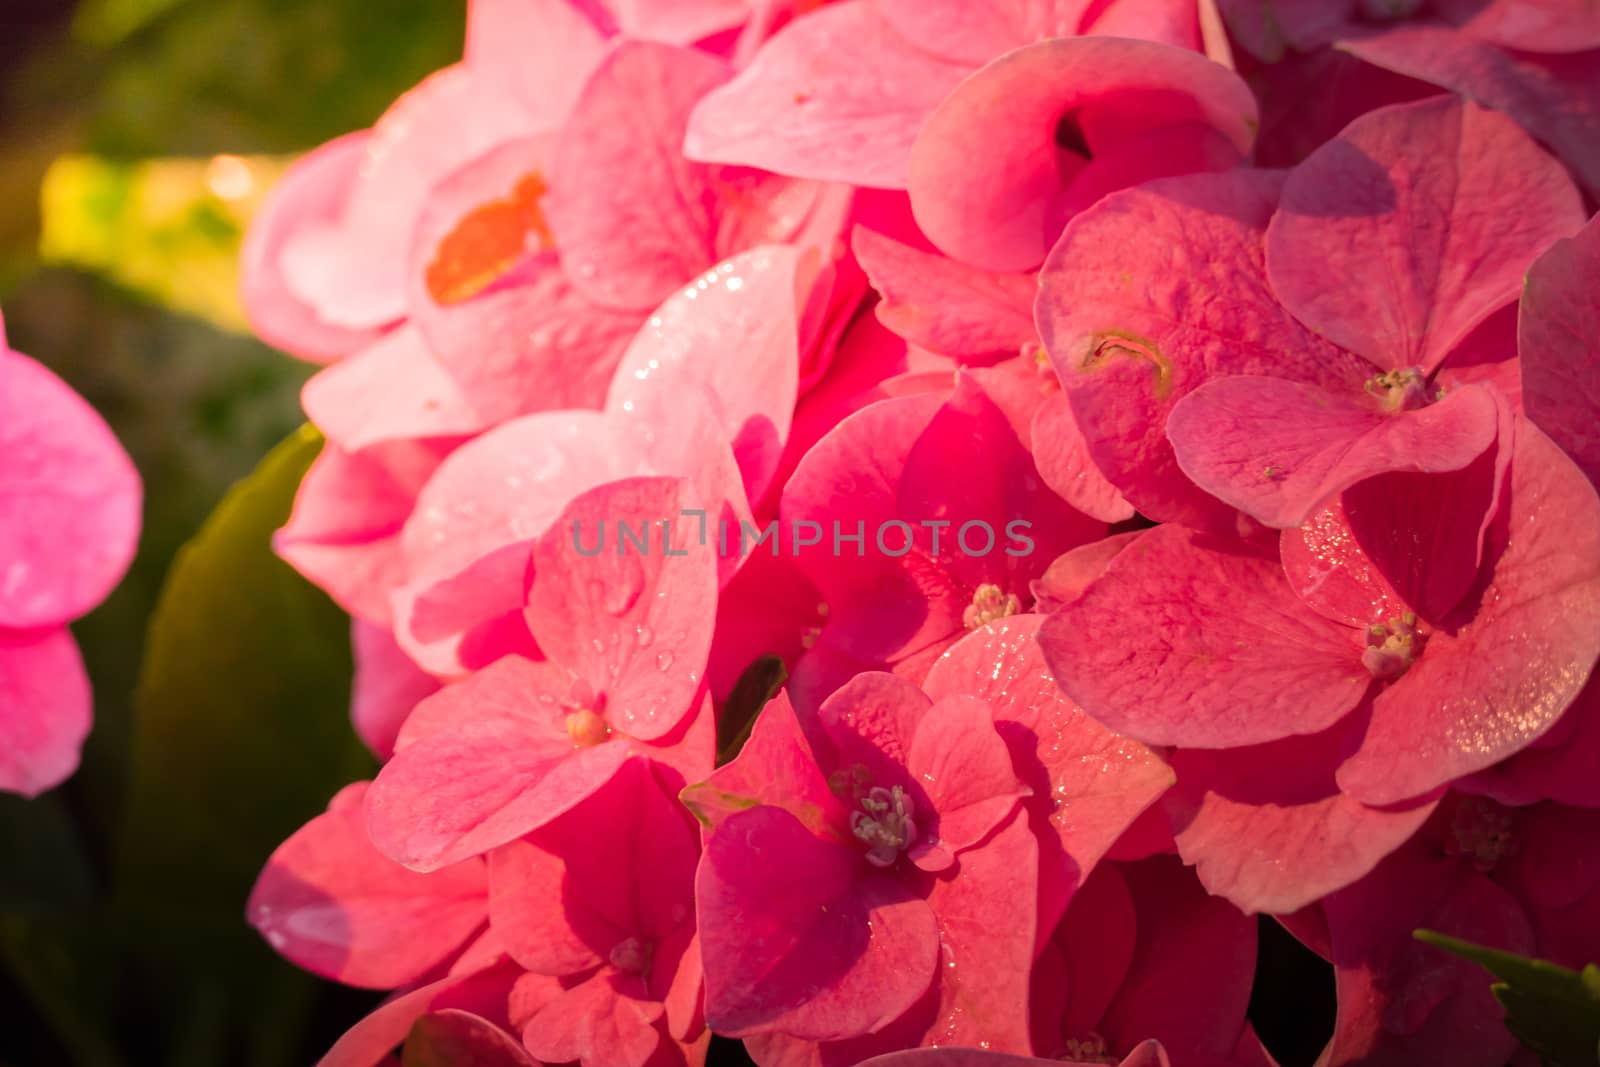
663	660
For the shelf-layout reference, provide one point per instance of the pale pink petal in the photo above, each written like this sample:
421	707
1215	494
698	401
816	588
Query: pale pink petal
801	935
975	31
1278	450
734	332
945	306
987	177
389	391
539	51
679	21
312	194
1266	827
70	499
1428	214
1062	456
1149	294
1558	337
481	763
332	903
45	709
836	95
634	621
1489	686
629	238
960	762
595	1024
386	686
543	925
1192	640
1553	97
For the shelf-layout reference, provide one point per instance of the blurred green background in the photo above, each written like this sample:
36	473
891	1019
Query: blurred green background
122	939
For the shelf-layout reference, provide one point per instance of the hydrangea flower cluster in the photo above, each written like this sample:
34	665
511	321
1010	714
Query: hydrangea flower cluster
70	508
1127	421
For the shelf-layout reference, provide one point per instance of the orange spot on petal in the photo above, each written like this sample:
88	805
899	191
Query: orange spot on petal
488	241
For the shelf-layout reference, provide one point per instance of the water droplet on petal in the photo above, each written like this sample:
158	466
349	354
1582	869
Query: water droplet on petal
663	660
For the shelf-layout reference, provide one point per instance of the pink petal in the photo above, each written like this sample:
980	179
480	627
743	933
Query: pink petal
1062	455
386	686
1196	641
1095	942
629	240
1428	214
1173	22
1072	572
1308	98
1402	1000
1279	450
371	1039
1562	771
1267	828
329	901
776	768
1528	25
964	767
1500	677
1088	784
680	21
975	31
734	332
311	195
1267	28
391	390
987	177
69	499
344	532
481	763
488	292
800	935
44	694
946	306
565	47
1558	334
1181	929
836	95
1130	335
595	1025
1551	96
635	623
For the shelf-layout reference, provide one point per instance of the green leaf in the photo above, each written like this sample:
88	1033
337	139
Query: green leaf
758	684
241	734
1551	1009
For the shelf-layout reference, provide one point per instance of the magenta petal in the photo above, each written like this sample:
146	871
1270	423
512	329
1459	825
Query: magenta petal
1278	450
482	763
836	95
801	935
312	194
1428	214
733	331
635	623
1405	1001
1551	96
1130	335
986	172
1267	828
69	499
627	241
1195	641
45	708
1558	334
943	305
1181	929
1486	690
329	901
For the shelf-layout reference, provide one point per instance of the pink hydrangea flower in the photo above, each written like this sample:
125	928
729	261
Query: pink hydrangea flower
69	522
626	632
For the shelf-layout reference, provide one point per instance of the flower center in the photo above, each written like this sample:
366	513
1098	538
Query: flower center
884	824
1091	1049
490	240
1392	647
989	603
1400	390
1482	832
632	956
586	728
